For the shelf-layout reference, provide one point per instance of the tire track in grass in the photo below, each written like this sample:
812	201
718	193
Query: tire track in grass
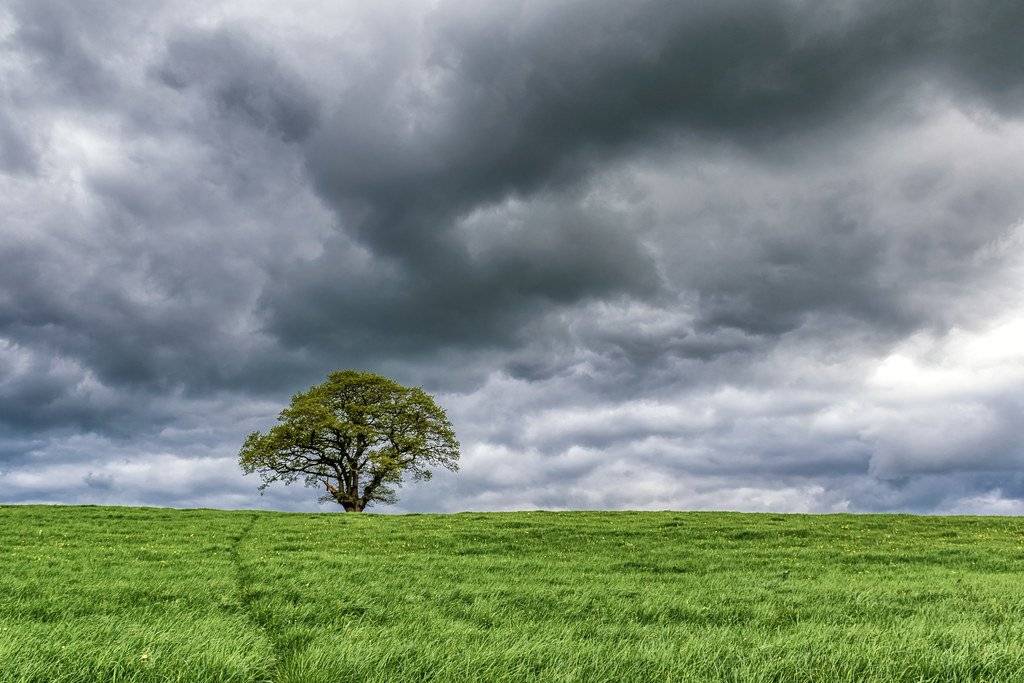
247	598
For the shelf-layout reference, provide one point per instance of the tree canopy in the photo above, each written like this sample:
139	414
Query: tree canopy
357	436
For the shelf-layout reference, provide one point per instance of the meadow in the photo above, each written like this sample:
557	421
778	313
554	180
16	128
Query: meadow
129	594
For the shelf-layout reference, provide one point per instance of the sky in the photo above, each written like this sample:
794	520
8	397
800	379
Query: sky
659	254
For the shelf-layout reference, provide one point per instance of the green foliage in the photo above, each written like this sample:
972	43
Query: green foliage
356	435
85	593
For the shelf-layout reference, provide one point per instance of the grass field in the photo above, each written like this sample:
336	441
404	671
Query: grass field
124	594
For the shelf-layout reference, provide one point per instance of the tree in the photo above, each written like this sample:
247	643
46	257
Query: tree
356	435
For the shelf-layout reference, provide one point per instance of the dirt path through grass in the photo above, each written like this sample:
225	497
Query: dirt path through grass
249	597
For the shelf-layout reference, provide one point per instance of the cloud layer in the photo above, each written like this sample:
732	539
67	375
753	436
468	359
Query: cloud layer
650	255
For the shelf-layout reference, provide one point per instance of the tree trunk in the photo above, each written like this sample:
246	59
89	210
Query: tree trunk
350	506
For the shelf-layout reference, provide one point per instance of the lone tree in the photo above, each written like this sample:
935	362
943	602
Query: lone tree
356	435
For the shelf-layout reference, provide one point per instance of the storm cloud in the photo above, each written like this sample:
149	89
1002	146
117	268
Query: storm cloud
743	255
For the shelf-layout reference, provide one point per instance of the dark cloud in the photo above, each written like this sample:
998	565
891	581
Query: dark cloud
240	80
17	153
61	43
655	254
535	99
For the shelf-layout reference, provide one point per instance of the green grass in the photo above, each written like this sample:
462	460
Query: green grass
122	594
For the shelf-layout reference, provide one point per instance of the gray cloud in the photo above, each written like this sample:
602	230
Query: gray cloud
754	255
241	81
17	154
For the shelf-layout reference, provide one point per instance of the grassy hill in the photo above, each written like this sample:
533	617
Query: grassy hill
92	593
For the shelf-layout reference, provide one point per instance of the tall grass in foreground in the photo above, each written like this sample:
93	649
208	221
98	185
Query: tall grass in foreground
122	594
